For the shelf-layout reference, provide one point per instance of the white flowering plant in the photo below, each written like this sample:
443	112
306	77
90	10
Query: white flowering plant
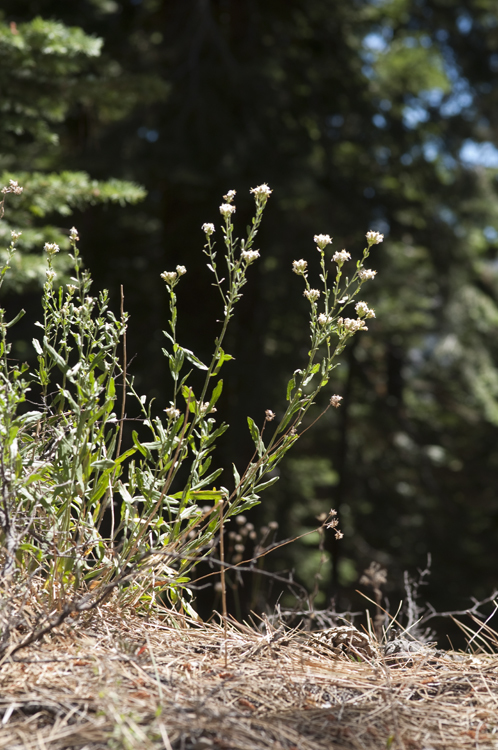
85	514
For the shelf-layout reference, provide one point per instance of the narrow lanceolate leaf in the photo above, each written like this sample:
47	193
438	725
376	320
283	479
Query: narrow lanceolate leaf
256	438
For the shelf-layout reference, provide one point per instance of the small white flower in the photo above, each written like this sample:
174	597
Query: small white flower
230	196
249	255
51	248
71	288
364	310
343	300
172	413
335	401
366	273
226	209
208	228
181	270
73	234
374	238
341	257
203	408
322	240
299	266
89	300
351	326
261	192
50	275
15	235
312	294
169	277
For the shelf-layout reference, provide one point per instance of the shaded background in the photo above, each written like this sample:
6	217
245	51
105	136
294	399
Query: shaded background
360	114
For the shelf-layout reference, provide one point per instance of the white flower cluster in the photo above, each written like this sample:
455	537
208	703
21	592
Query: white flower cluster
324	319
172	413
249	256
171	276
73	234
364	311
374	238
322	240
340	257
226	210
349	325
366	273
335	401
299	266
51	248
15	235
208	228
311	294
203	408
13	187
230	196
261	193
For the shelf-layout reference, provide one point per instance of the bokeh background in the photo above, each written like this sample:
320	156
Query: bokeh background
360	114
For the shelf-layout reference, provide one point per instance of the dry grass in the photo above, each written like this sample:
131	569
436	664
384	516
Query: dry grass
115	680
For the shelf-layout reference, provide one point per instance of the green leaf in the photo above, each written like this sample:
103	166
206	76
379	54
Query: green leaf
290	387
194	360
265	485
55	355
215	394
14	321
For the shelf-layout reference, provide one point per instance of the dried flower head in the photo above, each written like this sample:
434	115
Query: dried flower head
249	256
335	401
312	294
374	238
322	240
270	415
230	196
261	193
13	187
226	210
208	228
169	277
340	257
299	266
366	273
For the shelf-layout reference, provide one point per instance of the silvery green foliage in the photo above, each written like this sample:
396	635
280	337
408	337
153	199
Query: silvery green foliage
80	511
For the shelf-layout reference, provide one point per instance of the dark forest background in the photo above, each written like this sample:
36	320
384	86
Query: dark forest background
360	114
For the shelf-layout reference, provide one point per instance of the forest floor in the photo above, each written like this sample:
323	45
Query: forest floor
116	680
